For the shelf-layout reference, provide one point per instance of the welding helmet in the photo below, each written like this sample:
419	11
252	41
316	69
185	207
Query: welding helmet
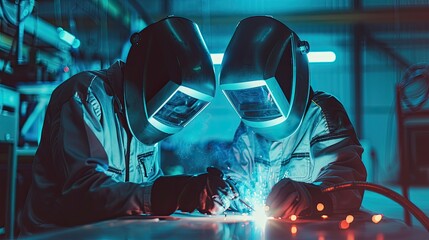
169	78
264	75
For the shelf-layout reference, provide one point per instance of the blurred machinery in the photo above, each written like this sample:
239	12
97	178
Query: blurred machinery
32	59
412	110
31	49
9	105
413	124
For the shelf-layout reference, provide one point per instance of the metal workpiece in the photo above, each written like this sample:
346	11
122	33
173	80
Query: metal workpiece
359	225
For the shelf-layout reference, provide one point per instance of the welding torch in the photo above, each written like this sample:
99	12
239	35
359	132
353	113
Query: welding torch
215	172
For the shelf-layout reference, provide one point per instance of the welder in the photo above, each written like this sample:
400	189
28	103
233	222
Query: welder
99	155
292	141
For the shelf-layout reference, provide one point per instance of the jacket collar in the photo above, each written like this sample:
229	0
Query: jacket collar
115	77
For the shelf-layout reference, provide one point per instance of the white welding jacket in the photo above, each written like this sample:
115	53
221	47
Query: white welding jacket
324	151
80	168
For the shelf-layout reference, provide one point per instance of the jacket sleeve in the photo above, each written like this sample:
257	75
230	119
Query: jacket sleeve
80	162
336	151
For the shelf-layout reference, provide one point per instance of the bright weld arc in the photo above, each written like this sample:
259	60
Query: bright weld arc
260	216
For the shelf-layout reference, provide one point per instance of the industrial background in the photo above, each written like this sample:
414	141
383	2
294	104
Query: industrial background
377	46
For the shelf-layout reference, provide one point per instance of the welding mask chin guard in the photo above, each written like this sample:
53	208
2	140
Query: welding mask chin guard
169	79
264	75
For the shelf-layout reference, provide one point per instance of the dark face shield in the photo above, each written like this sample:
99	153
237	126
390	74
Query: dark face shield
178	110
256	103
169	79
264	75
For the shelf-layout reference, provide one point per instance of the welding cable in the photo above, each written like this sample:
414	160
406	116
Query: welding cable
404	202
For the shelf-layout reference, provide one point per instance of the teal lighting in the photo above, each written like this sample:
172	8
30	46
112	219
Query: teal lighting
313	57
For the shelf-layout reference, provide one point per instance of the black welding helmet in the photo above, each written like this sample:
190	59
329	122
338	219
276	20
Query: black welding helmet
265	76
169	78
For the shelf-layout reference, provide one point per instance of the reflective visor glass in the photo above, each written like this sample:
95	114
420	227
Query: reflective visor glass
254	104
179	110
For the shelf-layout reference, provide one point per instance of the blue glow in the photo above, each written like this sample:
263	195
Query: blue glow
313	57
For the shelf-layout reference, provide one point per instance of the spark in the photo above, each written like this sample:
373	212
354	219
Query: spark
266	208
344	224
349	218
320	207
377	218
293	230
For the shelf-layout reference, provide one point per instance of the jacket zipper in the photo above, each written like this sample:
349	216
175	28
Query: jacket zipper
142	158
127	159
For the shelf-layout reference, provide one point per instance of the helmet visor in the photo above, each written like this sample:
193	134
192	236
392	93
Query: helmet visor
254	104
179	109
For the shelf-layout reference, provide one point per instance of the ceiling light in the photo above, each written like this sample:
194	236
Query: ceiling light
319	57
313	57
68	37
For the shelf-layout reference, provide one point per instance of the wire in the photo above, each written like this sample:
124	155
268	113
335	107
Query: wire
404	202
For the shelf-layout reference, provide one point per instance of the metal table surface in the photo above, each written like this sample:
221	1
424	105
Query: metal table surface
235	226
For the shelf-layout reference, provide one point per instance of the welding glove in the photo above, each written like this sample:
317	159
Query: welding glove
209	193
288	197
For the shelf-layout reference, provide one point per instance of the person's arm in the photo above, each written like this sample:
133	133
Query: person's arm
337	153
80	162
83	162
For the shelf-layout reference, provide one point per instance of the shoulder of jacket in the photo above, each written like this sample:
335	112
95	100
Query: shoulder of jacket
324	99
333	111
67	88
77	85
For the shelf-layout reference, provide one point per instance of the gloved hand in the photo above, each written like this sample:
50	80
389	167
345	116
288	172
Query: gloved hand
209	193
288	197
